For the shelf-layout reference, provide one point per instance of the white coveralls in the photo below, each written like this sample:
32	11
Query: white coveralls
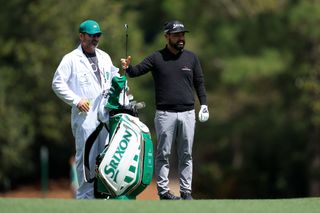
74	80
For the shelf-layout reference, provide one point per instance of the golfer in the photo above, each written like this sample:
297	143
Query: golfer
80	79
176	73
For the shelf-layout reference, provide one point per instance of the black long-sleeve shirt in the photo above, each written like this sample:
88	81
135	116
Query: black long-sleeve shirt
174	77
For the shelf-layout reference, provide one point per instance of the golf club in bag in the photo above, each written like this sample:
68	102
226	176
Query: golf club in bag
125	167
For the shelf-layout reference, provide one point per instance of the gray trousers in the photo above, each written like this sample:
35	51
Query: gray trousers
174	127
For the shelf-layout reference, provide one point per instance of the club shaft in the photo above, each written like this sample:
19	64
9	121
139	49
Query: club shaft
126	42
126	54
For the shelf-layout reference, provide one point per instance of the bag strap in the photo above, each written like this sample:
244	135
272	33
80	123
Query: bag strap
88	145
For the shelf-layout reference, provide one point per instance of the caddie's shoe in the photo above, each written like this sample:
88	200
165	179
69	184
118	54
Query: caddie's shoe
168	196
186	196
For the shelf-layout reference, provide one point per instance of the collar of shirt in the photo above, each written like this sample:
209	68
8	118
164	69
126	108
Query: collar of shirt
171	54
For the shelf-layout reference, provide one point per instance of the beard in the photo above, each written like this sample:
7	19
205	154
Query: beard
91	45
94	42
179	45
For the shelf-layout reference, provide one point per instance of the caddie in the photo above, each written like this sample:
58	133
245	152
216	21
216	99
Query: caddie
81	78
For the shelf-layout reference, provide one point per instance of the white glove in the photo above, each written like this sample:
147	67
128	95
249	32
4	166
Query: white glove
203	113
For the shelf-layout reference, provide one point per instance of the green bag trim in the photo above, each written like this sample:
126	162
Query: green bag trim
118	84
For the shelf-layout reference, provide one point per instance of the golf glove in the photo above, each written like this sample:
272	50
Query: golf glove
203	113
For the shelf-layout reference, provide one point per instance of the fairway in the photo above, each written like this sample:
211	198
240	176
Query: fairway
35	205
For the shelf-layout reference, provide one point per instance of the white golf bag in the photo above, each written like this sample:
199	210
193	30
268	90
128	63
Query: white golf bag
125	167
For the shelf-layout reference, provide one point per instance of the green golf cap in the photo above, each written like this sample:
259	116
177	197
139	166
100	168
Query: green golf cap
90	27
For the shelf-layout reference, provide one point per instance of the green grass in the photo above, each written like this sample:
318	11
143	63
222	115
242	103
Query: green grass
32	205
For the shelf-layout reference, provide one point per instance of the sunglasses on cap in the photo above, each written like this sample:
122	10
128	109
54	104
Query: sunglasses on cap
94	35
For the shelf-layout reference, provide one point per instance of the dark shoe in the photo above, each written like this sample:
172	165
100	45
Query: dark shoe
186	196
168	196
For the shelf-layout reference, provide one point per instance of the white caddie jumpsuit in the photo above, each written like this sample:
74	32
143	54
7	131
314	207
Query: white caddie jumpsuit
74	80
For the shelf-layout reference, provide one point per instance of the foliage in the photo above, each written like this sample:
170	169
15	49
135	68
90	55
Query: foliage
260	61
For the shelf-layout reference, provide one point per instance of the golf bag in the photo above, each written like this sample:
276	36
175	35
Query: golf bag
125	167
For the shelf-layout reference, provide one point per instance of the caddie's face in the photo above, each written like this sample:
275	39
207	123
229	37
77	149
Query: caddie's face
89	42
176	40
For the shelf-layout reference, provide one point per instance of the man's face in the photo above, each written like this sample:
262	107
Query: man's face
176	40
89	42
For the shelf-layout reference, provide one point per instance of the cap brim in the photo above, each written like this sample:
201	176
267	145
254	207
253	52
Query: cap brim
177	31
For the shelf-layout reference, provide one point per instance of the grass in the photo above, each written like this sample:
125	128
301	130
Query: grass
37	205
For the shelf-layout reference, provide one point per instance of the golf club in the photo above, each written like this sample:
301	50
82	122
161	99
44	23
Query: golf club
126	48
126	56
